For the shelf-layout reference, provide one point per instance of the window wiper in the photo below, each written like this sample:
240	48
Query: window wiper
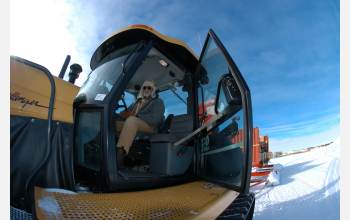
177	95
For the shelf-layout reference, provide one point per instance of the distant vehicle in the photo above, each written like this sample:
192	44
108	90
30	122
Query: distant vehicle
63	138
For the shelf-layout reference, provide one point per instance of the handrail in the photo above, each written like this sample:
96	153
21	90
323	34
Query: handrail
29	186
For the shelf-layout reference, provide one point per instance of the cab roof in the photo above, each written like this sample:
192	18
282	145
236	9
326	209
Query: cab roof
178	50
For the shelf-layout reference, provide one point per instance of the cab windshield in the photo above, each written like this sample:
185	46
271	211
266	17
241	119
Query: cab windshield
101	81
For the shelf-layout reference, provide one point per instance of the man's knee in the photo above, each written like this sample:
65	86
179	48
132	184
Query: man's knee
135	122
131	119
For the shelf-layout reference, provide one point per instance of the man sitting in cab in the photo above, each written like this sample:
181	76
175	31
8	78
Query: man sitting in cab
145	115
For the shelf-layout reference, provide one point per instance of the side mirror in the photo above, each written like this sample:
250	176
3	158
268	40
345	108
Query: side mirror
231	92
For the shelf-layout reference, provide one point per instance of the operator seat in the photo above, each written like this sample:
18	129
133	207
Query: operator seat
141	147
167	159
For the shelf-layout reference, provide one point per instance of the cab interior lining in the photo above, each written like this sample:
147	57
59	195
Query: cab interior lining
164	77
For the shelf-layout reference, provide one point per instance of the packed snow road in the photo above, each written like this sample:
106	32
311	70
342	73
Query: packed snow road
308	189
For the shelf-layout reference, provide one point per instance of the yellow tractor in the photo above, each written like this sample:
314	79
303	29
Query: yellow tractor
63	138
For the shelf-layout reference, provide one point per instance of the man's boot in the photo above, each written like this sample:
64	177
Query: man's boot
120	157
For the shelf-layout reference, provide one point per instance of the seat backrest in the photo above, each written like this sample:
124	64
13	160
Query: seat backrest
181	125
165	126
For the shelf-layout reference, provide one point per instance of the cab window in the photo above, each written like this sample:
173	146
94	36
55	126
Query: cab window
175	101
101	80
215	66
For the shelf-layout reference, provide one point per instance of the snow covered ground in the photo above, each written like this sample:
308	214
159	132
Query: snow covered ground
308	189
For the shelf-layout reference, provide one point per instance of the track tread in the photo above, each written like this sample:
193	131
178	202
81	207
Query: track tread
240	209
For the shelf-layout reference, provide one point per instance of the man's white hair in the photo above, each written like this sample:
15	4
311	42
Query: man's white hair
147	83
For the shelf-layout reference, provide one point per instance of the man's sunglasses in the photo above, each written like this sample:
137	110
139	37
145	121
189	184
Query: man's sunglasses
147	87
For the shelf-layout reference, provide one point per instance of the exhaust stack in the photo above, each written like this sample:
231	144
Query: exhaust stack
75	70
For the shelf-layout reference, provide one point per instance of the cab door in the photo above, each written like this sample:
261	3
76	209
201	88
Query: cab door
224	112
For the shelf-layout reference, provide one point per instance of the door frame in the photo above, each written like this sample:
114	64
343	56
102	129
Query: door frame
247	111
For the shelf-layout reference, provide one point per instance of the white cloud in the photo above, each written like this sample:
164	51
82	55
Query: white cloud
304	141
305	133
39	32
45	31
303	126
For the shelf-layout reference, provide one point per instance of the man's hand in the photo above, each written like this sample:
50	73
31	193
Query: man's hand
125	114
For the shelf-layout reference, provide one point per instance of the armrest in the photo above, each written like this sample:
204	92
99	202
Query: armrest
163	138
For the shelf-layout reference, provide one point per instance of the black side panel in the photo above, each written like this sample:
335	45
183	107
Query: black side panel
28	147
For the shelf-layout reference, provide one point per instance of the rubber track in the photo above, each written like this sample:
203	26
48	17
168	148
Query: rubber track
240	209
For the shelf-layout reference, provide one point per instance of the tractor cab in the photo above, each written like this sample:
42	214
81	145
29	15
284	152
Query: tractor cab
206	128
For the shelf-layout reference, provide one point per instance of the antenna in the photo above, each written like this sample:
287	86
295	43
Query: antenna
64	67
199	40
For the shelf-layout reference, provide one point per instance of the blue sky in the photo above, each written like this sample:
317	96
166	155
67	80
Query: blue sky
288	51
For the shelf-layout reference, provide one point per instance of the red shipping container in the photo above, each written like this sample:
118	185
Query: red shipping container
260	146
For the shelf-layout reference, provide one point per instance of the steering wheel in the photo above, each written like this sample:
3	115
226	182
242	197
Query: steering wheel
123	103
